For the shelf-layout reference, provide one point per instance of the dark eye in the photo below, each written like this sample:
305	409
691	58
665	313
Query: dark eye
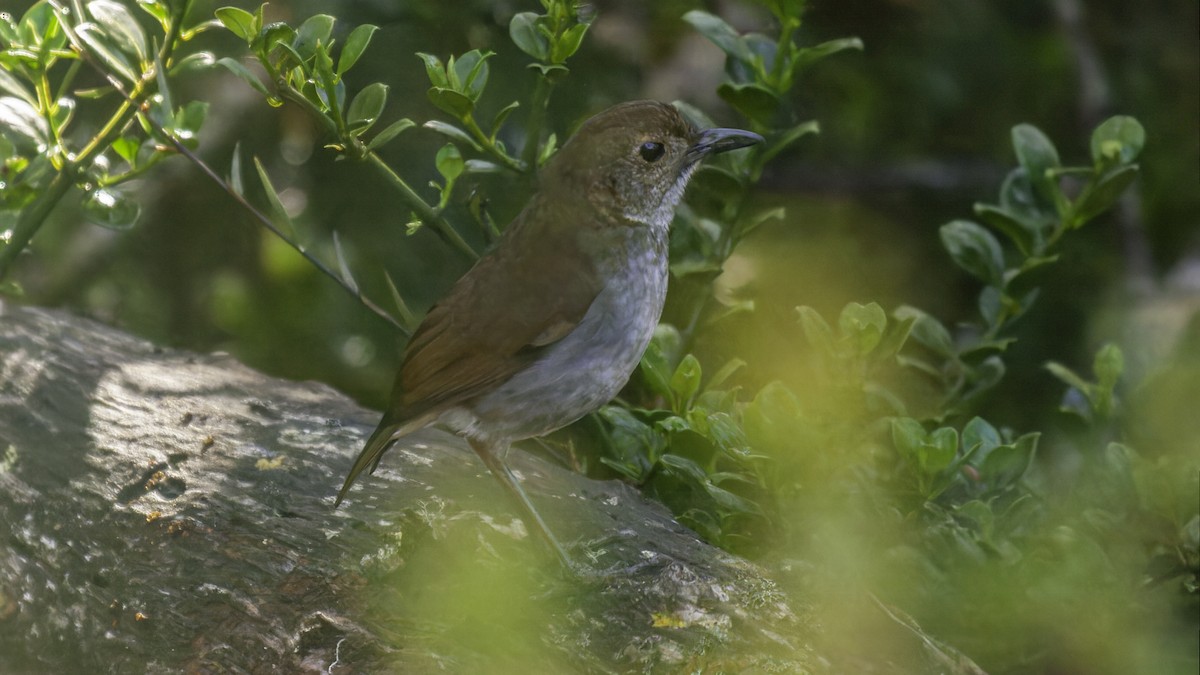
651	151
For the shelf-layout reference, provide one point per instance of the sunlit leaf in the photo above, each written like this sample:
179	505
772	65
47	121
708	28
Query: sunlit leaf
525	34
21	124
568	43
449	162
366	107
390	132
356	44
121	26
238	21
244	73
314	31
100	45
452	132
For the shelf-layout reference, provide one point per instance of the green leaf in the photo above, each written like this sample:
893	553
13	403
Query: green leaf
1037	156
501	116
407	318
978	435
13	86
992	302
729	502
366	107
752	100
721	34
356	44
243	72
685	382
1070	377
928	331
810	55
434	70
21	124
894	337
1100	196
982	378
279	213
1005	464
772	419
100	45
726	371
1117	139
525	34
756	220
314	31
634	442
391	131
343	266
568	43
656	369
939	452
127	148
471	71
1025	237
553	72
816	329
121	26
975	250
483	166
235	170
908	435
157	9
781	142
193	63
452	132
276	35
323	69
1019	198
1108	365
451	101
239	22
449	163
111	209
188	120
685	467
862	325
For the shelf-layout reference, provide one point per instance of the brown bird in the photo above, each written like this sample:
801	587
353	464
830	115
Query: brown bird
549	325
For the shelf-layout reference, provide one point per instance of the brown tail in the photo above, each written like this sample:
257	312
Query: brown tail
376	445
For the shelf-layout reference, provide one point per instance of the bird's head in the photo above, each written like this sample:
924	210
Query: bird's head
633	161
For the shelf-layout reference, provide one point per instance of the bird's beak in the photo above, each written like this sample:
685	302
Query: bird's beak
713	141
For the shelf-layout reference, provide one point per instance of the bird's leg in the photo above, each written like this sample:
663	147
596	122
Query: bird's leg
499	468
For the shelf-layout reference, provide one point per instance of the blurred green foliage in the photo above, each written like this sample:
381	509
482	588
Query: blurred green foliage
1013	468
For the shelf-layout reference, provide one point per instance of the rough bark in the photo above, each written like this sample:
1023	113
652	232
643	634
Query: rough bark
163	510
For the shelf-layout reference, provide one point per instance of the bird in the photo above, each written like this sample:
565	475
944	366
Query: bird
549	324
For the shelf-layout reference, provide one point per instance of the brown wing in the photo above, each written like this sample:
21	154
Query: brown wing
528	293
